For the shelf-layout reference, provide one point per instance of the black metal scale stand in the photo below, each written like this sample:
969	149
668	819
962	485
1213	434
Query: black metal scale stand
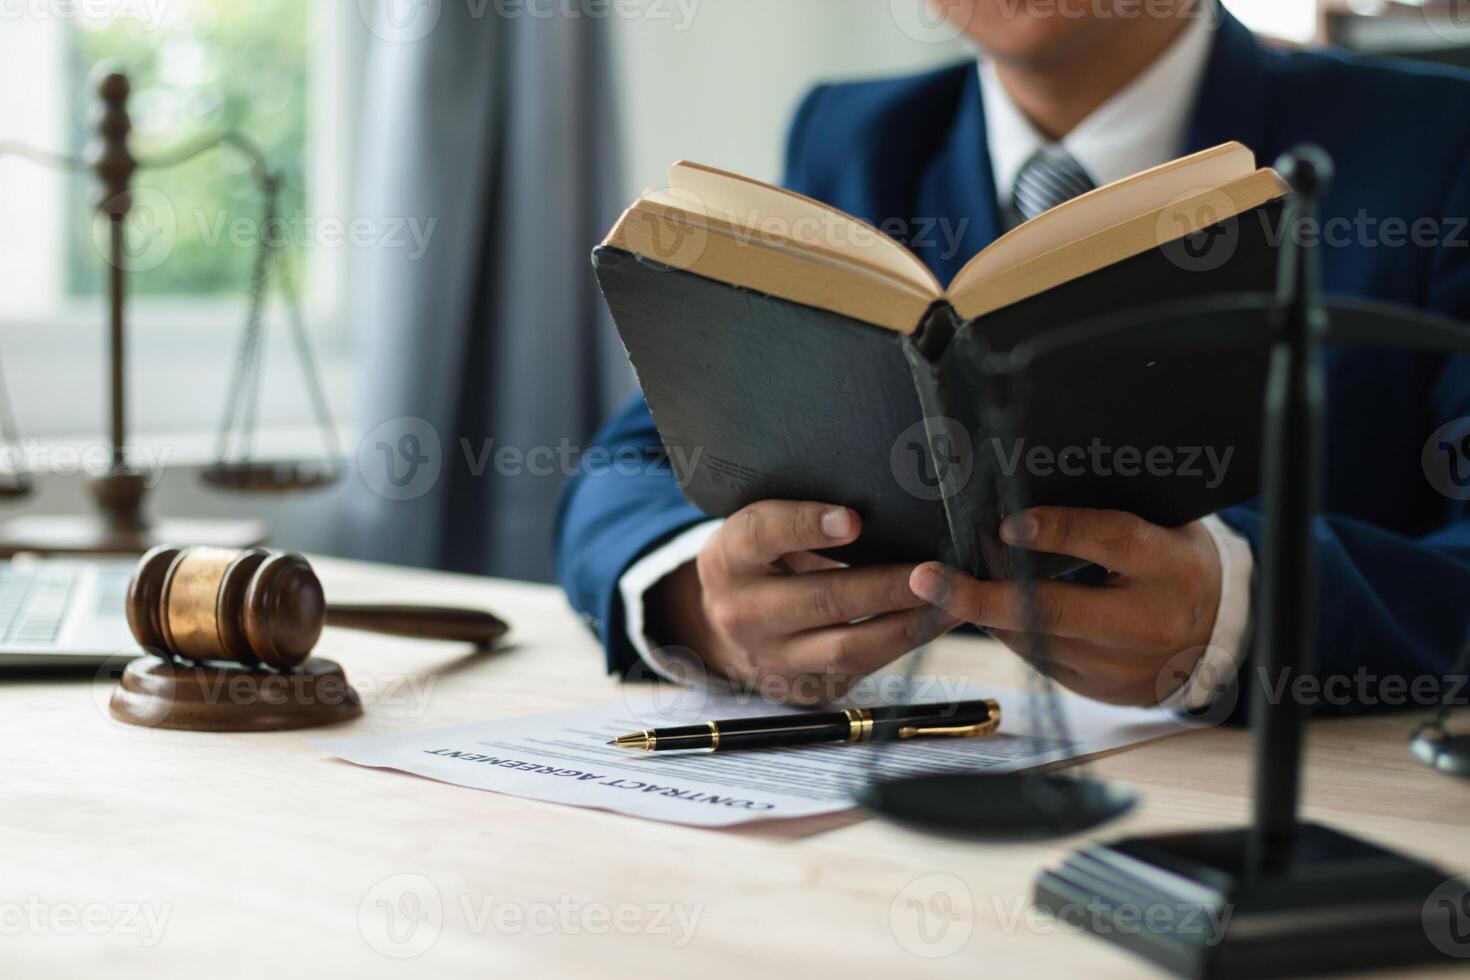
1281	896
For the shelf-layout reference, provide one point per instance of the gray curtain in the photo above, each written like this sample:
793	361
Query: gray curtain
487	361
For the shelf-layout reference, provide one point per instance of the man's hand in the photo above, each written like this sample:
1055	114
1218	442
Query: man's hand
761	609
1110	642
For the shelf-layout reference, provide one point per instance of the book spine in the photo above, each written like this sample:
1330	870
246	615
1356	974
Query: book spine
994	396
949	440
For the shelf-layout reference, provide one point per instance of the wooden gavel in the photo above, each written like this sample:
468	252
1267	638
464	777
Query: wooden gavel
259	607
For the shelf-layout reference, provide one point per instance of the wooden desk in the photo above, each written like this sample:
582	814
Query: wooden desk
270	860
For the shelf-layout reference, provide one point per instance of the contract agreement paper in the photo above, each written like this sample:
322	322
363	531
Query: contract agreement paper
563	757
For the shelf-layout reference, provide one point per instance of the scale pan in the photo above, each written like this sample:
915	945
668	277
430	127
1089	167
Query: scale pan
1010	806
271	476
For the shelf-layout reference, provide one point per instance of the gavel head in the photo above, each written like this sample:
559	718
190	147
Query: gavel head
253	607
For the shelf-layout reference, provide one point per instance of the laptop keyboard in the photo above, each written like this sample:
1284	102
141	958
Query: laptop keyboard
34	602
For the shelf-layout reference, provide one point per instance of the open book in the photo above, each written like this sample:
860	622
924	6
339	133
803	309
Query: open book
787	349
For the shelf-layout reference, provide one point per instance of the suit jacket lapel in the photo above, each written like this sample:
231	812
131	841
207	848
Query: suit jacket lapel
1232	99
956	195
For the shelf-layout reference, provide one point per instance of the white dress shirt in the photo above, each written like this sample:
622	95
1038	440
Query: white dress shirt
1141	126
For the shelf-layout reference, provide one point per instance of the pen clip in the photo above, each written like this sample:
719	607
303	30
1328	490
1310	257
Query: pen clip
985	727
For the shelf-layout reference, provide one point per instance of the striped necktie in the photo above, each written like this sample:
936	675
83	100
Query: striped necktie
1048	179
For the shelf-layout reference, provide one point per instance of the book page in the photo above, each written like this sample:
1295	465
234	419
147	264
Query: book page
1106	207
1134	236
806	223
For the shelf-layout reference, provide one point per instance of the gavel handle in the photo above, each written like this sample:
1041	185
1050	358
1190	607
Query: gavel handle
421	622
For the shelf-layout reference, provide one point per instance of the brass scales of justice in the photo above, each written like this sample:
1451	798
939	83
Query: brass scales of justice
121	524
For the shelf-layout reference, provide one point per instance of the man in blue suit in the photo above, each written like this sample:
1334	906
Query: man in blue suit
1067	97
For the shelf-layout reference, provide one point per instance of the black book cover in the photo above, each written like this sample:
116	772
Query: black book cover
757	397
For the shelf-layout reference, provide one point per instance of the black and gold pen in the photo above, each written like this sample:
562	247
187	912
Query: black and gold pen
964	719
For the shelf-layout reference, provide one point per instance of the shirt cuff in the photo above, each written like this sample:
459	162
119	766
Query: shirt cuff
1224	655
676	664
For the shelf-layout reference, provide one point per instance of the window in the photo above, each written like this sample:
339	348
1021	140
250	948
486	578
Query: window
1291	20
275	70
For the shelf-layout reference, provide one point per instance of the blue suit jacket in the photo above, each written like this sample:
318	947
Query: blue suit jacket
1394	574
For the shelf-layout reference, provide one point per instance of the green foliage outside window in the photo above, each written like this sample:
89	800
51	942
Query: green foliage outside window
211	65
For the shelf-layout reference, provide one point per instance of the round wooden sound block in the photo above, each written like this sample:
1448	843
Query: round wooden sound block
158	693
